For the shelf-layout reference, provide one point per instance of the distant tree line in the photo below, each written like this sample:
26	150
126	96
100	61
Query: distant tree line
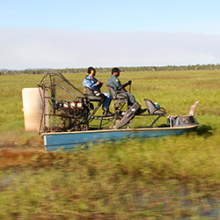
123	69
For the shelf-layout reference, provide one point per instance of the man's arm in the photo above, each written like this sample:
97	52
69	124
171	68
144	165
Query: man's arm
92	84
126	84
99	84
87	83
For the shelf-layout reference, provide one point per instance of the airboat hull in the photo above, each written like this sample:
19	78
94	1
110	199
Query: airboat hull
70	141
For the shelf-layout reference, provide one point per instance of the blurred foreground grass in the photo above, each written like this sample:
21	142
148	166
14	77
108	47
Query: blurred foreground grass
168	178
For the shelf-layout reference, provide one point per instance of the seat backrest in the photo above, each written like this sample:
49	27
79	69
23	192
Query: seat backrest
89	91
92	96
112	92
152	109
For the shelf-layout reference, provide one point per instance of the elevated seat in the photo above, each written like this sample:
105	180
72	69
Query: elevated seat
119	100
153	110
117	97
94	96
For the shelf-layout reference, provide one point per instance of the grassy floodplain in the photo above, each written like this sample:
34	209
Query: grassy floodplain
170	178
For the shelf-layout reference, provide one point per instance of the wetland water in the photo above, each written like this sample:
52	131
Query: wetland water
180	203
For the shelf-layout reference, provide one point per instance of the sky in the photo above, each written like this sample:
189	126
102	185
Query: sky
63	34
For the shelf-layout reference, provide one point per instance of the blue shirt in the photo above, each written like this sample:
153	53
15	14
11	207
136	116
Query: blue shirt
91	83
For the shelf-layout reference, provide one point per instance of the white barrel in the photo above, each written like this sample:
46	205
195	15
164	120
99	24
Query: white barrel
33	108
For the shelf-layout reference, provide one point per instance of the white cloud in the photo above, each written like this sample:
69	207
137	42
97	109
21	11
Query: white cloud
38	48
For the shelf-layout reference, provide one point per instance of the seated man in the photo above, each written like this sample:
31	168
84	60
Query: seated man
115	83
91	82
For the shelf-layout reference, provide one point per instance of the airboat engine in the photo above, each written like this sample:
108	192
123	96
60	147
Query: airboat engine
55	106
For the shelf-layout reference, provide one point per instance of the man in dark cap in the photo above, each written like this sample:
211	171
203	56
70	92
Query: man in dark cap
115	83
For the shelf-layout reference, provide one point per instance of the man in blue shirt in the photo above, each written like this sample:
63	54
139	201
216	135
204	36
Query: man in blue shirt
91	82
119	88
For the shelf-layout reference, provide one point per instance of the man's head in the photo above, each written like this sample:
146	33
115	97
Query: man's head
91	71
115	71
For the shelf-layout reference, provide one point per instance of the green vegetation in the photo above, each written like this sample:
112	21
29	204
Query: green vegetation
169	178
123	69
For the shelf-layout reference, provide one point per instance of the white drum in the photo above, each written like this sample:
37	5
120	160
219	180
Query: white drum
33	108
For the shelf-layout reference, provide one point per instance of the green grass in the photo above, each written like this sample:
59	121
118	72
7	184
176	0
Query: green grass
168	178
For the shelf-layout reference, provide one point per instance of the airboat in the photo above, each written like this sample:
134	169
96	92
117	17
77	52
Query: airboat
69	119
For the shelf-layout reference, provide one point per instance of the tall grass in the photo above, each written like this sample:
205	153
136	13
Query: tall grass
169	178
175	91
